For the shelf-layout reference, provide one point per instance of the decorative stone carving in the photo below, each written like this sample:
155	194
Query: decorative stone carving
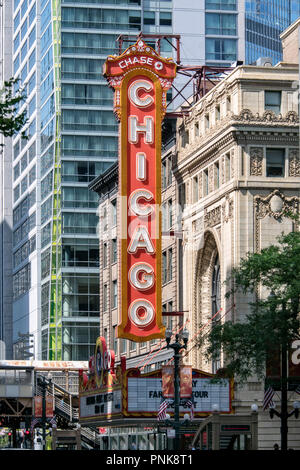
212	217
276	204
227	209
256	161
294	162
267	117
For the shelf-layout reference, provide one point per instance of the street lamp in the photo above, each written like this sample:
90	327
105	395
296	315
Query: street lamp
295	411
179	344
284	414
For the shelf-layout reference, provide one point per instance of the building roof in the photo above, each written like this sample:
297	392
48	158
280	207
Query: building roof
102	183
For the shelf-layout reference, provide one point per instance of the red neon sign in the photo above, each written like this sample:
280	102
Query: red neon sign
141	79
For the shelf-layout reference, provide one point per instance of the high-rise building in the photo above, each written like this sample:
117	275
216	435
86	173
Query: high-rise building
57	49
264	21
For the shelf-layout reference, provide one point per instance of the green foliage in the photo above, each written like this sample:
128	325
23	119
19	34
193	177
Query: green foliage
10	121
273	320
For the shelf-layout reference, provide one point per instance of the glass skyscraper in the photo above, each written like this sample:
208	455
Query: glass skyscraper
58	53
264	21
57	49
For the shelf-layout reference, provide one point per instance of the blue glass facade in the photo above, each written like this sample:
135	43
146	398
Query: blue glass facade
73	137
264	22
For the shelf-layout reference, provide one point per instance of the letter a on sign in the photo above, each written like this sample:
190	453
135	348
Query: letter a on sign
141	79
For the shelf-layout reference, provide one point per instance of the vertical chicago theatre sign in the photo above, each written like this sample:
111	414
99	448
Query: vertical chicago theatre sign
140	78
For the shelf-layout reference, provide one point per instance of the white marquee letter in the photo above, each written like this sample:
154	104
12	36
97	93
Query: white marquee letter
146	128
141	276
136	207
140	166
141	239
144	318
133	93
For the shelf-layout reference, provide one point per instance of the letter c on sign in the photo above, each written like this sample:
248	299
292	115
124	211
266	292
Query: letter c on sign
141	312
133	93
138	209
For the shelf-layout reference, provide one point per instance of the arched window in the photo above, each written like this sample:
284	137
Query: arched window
216	302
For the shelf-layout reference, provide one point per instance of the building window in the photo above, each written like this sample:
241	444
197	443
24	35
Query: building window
167	320
114	212
165	19
149	17
170	213
217	114
114	294
227	167
114	250
220	4
220	24
220	49
104	255
275	162
167	263
132	346
105	297
196	129
104	219
228	104
273	101
205	182
216	303
181	195
195	189
123	346
169	171
164	174
115	340
206	121
105	334
216	175
184	138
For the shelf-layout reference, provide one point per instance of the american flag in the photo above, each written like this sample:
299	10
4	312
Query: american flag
269	393
190	404
33	423
162	410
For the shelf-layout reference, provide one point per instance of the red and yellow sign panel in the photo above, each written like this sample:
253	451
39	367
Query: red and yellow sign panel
141	79
167	376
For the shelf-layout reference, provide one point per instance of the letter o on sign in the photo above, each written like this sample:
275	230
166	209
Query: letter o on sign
141	313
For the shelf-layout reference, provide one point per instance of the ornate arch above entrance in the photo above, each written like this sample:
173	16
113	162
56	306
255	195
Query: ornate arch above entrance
204	287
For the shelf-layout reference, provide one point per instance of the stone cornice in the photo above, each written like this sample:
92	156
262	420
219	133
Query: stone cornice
243	127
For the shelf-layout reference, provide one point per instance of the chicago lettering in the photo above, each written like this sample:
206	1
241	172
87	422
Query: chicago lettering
141	275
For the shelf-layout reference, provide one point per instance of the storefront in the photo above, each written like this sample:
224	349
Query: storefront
123	404
219	432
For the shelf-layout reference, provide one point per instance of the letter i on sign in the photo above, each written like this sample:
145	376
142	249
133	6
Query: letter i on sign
140	78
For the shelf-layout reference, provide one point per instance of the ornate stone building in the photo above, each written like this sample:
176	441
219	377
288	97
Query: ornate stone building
237	168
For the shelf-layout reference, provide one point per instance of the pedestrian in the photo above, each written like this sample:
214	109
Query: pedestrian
276	447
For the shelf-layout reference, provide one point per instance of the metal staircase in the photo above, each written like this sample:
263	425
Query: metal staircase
66	408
